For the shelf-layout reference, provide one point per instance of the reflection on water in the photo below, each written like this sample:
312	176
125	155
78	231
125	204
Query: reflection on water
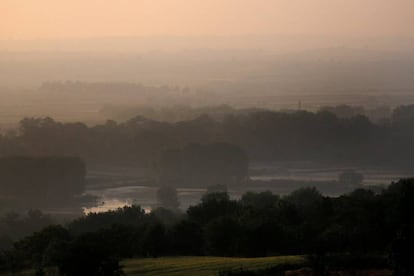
118	197
122	193
112	204
372	175
144	196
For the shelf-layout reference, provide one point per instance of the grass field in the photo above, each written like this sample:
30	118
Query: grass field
203	266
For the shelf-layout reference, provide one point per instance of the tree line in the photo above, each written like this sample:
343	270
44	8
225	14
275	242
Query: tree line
257	224
262	135
42	182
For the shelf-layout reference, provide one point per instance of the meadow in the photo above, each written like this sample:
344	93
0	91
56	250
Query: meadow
204	266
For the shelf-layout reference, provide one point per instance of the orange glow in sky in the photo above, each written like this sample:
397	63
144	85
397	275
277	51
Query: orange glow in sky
40	19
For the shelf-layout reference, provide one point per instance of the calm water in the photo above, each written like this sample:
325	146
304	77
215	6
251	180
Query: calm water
120	189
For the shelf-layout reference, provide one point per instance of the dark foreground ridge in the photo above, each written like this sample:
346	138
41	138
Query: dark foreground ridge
360	230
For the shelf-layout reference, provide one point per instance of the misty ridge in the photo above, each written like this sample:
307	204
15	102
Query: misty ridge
234	149
208	138
234	152
294	62
71	82
333	70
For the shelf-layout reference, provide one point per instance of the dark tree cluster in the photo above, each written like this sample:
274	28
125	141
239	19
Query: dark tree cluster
202	165
41	182
168	197
174	113
14	226
263	135
258	224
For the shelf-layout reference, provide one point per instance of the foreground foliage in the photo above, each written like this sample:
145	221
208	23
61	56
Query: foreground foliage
304	222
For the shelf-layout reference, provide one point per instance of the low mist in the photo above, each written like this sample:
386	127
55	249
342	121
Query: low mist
206	137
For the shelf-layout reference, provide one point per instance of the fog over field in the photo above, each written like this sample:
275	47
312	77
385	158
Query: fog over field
121	87
254	137
167	75
242	78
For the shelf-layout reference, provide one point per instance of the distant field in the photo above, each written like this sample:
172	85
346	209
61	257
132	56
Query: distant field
203	266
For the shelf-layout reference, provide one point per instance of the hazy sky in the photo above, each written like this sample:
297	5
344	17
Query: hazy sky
50	19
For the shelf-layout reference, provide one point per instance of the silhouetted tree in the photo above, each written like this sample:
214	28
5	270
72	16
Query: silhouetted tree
168	198
401	251
89	254
155	240
40	247
187	238
42	181
351	178
223	237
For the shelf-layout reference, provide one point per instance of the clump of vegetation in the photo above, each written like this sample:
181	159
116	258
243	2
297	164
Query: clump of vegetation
44	182
168	198
334	232
188	149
